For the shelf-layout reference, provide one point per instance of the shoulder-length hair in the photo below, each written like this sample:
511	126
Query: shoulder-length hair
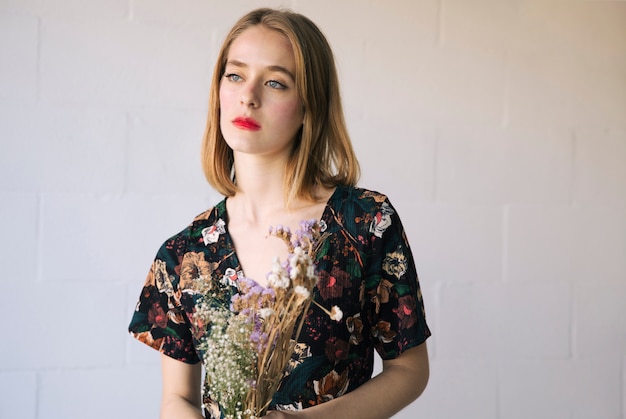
322	154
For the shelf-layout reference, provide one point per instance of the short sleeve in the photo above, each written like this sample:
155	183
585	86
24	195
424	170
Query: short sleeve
395	307
159	319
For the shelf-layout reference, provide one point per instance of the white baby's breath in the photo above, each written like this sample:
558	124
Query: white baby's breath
230	354
247	346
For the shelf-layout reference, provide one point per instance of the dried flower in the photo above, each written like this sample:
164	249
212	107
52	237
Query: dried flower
336	314
302	291
266	312
248	345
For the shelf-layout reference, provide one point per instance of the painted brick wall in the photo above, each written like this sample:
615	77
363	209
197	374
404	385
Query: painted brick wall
497	128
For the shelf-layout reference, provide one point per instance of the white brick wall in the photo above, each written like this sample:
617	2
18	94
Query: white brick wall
497	127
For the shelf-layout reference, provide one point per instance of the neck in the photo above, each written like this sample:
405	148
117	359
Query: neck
261	187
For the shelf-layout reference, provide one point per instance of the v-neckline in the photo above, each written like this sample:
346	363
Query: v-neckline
326	213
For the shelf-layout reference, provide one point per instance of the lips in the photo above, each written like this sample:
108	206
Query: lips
246	124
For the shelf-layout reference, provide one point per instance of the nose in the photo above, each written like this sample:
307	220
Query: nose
250	97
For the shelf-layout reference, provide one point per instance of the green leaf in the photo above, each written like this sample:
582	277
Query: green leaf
171	332
292	384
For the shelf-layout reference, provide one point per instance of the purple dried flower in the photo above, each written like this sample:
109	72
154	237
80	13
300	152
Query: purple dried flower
255	336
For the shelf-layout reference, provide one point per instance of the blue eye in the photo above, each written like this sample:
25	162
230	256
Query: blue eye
276	84
232	77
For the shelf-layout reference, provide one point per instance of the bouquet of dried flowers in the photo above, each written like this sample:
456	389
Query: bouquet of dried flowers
250	343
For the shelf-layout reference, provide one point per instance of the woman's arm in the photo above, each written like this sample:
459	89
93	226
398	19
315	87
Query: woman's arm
403	379
181	389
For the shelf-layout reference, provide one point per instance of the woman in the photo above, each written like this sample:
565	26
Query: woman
277	147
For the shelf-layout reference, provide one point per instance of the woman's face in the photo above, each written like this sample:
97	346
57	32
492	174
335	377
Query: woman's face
261	111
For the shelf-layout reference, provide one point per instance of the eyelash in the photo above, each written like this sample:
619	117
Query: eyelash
229	76
274	84
280	85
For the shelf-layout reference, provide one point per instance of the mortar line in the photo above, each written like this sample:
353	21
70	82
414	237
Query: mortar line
435	189
126	158
131	10
38	61
622	387
498	374
37	393
441	34
572	323
505	241
506	92
39	237
572	168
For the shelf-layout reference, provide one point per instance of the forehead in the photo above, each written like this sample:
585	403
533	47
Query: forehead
263	47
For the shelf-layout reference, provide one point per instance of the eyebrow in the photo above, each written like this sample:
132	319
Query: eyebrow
277	68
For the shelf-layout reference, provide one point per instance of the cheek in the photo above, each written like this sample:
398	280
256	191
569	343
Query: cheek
290	112
226	98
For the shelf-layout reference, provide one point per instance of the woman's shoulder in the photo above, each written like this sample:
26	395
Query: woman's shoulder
360	211
212	217
364	199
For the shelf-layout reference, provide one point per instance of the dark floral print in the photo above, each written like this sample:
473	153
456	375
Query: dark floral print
157	316
355	327
406	312
365	267
382	331
337	349
331	385
331	284
395	264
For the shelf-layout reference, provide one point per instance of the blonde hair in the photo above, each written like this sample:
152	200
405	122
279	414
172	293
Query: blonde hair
322	153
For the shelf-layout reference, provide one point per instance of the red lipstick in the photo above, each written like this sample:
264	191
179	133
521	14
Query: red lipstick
246	124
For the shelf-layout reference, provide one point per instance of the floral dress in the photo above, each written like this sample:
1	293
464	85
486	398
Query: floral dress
364	265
